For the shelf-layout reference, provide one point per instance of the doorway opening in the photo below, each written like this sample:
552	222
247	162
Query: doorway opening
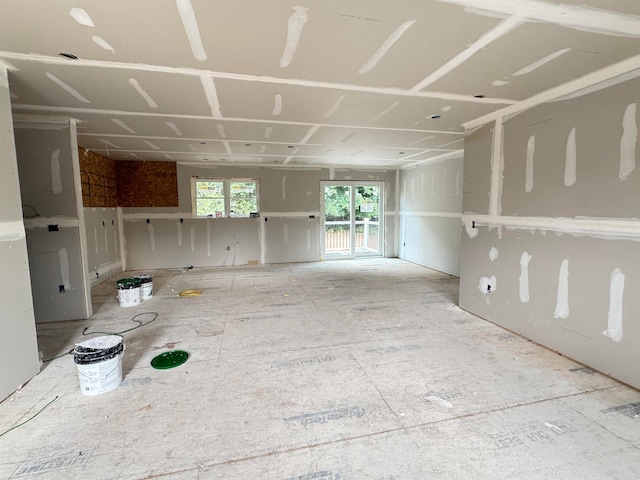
352	219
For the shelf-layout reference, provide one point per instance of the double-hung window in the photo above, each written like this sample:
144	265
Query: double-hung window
225	197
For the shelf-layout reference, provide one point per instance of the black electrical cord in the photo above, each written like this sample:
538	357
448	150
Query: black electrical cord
140	323
133	319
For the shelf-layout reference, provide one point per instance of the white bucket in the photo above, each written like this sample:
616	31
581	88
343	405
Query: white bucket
99	363
146	285
129	292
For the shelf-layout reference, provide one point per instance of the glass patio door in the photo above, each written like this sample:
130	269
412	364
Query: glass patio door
351	219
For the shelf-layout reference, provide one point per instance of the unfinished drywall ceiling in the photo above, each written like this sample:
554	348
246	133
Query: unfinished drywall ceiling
350	83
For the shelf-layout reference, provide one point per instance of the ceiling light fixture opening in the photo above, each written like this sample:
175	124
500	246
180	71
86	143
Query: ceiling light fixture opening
478	96
434	117
70	56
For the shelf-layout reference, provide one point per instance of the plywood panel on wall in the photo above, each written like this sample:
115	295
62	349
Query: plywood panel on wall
98	176
147	184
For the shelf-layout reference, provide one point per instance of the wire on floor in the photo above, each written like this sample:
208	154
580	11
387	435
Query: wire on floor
133	319
28	420
140	323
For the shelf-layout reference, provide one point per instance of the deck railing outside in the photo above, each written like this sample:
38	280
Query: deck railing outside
337	236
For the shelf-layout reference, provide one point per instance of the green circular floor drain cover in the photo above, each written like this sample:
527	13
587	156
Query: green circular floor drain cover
169	359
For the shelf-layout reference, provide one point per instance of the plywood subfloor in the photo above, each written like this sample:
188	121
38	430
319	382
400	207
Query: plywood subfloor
325	371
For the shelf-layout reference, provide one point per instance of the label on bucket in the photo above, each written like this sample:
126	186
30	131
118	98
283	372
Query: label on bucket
97	378
129	297
99	363
146	285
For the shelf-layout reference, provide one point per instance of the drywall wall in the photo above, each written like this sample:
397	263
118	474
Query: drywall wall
555	254
18	343
430	213
56	239
103	243
288	229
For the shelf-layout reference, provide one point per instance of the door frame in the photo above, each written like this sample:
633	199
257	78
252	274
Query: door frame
381	205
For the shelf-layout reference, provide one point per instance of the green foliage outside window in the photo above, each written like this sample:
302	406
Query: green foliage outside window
225	198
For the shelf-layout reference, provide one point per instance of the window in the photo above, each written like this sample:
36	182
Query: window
222	198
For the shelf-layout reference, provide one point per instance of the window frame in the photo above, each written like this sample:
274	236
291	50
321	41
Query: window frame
226	188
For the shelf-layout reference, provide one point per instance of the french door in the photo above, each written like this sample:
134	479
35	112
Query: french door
352	216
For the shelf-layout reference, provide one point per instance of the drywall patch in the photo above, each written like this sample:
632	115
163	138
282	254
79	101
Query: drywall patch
487	285
63	257
152	237
56	177
211	94
193	238
386	45
175	128
285	234
493	253
308	239
525	258
571	158
208	238
81	16
188	17
102	43
384	112
334	107
541	62
294	30
531	149
284	187
147	98
562	301
69	89
95	238
277	104
628	142
123	125
179	227
616	293
470	227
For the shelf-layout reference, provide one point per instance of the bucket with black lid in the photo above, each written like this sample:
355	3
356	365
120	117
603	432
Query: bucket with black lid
146	285
99	363
129	292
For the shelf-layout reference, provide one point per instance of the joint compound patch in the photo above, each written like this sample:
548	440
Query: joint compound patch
488	284
326	416
69	460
